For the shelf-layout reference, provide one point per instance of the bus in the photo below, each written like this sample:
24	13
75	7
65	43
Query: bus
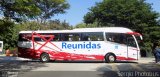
107	44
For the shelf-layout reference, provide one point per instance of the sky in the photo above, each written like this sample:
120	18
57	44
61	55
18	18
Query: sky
78	8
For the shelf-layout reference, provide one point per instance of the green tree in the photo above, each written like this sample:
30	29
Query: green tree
134	14
30	9
22	10
49	8
18	10
49	25
7	33
11	30
81	25
84	25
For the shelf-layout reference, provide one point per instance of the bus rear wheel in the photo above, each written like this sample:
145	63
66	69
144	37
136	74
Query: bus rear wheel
110	58
44	57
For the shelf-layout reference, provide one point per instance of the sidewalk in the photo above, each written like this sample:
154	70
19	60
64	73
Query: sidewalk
146	60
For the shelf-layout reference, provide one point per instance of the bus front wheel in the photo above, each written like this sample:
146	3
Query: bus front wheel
44	57
110	58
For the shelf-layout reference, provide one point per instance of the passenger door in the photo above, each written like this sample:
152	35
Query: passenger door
132	50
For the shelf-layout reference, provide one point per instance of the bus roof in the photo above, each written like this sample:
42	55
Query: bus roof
101	29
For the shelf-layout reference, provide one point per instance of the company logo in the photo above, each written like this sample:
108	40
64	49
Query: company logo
84	45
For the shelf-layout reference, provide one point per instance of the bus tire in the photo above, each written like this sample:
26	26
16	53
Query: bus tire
44	57
110	58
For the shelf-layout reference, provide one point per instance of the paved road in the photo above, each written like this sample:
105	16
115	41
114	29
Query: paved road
13	66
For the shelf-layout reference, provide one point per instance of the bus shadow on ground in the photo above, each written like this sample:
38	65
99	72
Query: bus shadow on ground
57	61
12	64
13	59
126	62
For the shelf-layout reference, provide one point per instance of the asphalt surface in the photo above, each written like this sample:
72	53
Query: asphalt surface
20	67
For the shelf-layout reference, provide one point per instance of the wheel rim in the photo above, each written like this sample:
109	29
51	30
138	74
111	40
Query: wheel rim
111	58
44	58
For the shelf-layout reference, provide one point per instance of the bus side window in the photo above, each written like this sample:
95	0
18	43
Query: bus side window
84	37
110	37
92	36
56	37
76	37
70	38
38	39
25	37
116	37
64	37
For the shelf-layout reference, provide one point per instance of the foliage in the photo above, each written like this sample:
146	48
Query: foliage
129	13
19	10
84	25
10	35
7	33
134	14
50	25
50	7
24	10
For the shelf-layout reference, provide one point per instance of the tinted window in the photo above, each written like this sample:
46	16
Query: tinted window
28	37
84	36
71	37
57	37
92	36
37	39
24	37
117	38
47	36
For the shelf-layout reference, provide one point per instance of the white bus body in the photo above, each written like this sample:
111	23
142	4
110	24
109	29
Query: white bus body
108	43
